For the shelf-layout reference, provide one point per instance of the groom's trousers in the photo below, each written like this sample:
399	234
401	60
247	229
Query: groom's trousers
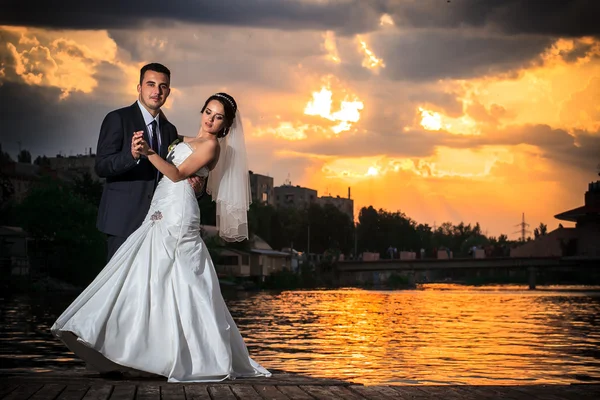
113	244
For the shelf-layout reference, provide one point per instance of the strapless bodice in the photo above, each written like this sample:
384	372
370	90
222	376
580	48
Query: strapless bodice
178	155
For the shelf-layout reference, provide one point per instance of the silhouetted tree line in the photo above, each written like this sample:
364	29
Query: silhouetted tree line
60	218
380	230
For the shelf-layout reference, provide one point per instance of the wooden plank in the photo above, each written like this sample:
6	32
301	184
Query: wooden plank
123	392
372	392
583	391
508	392
172	392
388	392
221	392
48	392
474	392
565	392
6	389
291	392
73	392
331	392
245	392
319	392
412	392
536	392
98	392
23	392
442	392
343	392
196	392
148	392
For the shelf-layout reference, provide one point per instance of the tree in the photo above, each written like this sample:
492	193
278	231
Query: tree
63	225
4	157
88	188
24	156
540	230
7	189
368	230
42	161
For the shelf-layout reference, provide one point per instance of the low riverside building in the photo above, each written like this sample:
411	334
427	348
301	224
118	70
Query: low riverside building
581	241
260	261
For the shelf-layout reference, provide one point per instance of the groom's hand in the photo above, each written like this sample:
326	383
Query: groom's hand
136	144
197	183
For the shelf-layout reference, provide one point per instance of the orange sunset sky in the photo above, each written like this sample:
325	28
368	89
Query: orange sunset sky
448	111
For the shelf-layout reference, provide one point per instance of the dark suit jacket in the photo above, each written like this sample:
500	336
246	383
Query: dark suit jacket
129	184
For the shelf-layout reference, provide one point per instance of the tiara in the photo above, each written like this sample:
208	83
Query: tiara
226	98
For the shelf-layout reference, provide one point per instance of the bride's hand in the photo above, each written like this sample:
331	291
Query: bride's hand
141	145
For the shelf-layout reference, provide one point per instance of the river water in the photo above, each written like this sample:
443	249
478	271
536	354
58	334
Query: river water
438	334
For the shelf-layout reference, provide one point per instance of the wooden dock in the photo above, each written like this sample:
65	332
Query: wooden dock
281	386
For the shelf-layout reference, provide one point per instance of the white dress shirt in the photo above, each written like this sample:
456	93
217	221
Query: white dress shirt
148	118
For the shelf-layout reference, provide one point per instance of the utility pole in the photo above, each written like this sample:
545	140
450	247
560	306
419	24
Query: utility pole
355	240
523	225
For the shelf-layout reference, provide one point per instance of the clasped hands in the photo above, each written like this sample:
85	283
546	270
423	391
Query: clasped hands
140	147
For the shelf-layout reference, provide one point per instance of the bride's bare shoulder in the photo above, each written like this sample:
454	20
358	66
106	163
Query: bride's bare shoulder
196	144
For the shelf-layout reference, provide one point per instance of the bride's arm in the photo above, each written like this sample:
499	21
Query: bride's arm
201	156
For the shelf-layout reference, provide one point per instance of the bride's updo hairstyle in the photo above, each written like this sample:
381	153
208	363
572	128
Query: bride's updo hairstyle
230	107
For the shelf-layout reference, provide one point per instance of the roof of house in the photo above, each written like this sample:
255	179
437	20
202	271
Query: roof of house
578	213
12	231
270	252
257	241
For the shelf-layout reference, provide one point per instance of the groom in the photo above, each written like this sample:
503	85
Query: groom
130	178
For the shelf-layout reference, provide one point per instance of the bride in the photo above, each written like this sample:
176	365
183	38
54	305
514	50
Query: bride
156	307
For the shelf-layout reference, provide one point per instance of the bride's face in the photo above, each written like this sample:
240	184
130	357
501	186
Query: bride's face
213	117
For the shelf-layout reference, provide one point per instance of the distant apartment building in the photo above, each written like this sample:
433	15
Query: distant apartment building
262	189
74	165
345	205
22	176
294	196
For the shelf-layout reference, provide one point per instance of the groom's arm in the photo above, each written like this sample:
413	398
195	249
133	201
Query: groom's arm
112	158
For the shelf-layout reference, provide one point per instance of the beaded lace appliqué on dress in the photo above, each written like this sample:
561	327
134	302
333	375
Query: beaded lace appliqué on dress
156	217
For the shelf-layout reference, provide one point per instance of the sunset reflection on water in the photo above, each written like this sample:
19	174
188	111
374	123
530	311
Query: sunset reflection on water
440	334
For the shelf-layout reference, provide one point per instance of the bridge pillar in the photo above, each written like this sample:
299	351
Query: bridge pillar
412	278
532	271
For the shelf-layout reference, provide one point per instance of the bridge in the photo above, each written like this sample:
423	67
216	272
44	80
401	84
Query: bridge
356	271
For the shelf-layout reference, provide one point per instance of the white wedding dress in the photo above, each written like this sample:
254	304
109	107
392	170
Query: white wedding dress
156	307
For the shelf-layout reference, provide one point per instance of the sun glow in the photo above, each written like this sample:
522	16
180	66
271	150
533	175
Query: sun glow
370	61
373	171
331	47
434	121
348	113
285	130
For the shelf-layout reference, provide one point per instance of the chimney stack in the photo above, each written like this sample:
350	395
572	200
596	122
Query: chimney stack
348	191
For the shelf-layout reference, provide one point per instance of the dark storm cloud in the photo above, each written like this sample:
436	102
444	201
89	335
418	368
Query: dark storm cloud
580	50
349	16
580	149
422	55
571	18
34	117
546	17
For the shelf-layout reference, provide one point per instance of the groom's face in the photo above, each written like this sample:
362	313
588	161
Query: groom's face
154	90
